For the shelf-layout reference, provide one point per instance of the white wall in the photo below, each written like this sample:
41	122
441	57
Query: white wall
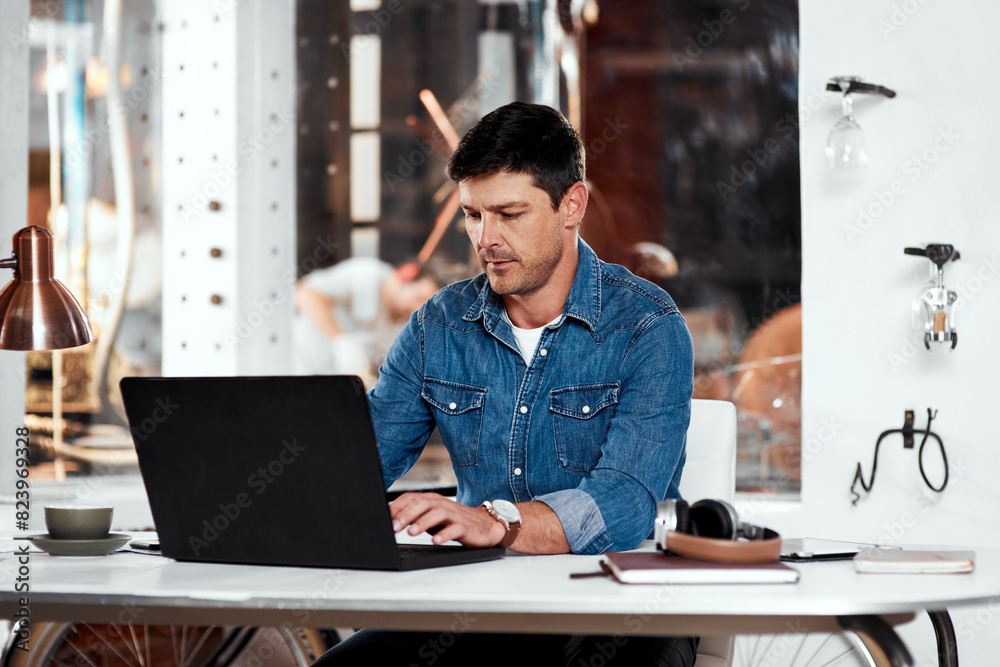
863	363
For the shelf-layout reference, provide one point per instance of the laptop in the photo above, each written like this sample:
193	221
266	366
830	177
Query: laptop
269	471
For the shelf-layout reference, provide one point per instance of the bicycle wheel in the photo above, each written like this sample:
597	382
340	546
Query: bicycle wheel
117	645
814	649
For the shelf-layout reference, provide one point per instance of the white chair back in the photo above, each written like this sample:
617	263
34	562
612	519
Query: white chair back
710	472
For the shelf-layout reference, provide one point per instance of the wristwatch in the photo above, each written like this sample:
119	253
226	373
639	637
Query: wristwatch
506	513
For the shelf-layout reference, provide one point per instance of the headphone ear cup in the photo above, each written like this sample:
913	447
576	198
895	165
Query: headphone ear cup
683	514
713	518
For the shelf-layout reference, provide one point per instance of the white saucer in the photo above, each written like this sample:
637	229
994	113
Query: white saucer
54	547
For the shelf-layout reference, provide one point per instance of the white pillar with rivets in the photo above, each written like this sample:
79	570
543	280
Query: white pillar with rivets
16	30
229	129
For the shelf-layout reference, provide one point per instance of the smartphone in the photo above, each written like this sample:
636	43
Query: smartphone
150	545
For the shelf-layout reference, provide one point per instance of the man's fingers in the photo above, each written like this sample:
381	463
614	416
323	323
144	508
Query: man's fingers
433	517
452	531
441	517
408	507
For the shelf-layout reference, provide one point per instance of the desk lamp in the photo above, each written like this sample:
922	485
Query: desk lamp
37	312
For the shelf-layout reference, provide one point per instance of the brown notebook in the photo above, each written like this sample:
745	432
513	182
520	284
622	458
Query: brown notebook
644	567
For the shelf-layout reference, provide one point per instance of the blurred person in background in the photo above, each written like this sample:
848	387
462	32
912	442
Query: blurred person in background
349	314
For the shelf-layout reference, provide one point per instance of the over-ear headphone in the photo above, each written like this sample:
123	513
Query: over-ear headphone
711	530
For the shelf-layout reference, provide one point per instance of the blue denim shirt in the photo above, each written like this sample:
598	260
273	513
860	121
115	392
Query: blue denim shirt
594	427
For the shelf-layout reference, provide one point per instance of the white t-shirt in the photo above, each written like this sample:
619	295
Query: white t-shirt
527	339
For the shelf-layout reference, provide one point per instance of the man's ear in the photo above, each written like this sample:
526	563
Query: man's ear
575	203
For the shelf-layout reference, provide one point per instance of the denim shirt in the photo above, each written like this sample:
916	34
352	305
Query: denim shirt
594	426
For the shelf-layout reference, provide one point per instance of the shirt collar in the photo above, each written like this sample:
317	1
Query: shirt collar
583	302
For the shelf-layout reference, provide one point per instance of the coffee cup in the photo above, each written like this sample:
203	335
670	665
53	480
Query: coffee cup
78	523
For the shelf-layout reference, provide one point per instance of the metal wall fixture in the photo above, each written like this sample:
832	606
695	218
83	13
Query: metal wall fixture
934	306
847	146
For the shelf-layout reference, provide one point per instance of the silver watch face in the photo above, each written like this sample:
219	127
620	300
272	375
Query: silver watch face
507	510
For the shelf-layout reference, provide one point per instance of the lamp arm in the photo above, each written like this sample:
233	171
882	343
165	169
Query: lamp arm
9	263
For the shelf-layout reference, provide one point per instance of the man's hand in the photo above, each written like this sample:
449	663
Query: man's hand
445	519
540	533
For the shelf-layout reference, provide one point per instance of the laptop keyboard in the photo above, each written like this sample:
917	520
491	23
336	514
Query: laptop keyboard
424	550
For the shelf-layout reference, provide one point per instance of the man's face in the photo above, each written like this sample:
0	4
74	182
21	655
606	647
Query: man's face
518	237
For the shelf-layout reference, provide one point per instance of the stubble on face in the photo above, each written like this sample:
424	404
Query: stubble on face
510	273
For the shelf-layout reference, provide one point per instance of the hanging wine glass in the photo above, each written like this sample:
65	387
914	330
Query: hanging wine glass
847	147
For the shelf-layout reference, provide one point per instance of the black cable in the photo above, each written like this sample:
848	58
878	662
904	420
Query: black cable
944	457
859	475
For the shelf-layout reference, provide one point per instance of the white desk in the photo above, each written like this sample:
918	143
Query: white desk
516	594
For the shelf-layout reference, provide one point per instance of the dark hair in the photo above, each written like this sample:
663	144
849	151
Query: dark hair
523	138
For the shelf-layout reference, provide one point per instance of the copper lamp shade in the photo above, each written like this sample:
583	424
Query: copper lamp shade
37	312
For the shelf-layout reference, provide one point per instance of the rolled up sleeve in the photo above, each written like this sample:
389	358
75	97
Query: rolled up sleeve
400	418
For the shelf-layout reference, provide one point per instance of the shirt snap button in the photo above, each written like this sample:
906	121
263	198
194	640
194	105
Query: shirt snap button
524	409
452	406
543	352
586	409
517	471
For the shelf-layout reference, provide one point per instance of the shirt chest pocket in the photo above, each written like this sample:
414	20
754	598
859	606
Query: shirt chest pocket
458	413
581	417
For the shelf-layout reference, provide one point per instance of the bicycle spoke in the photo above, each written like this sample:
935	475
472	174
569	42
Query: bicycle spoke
93	630
125	642
79	652
201	642
798	650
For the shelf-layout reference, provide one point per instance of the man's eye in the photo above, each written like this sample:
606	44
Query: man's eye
472	216
511	216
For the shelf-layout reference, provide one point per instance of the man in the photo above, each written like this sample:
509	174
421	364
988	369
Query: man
559	383
349	313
